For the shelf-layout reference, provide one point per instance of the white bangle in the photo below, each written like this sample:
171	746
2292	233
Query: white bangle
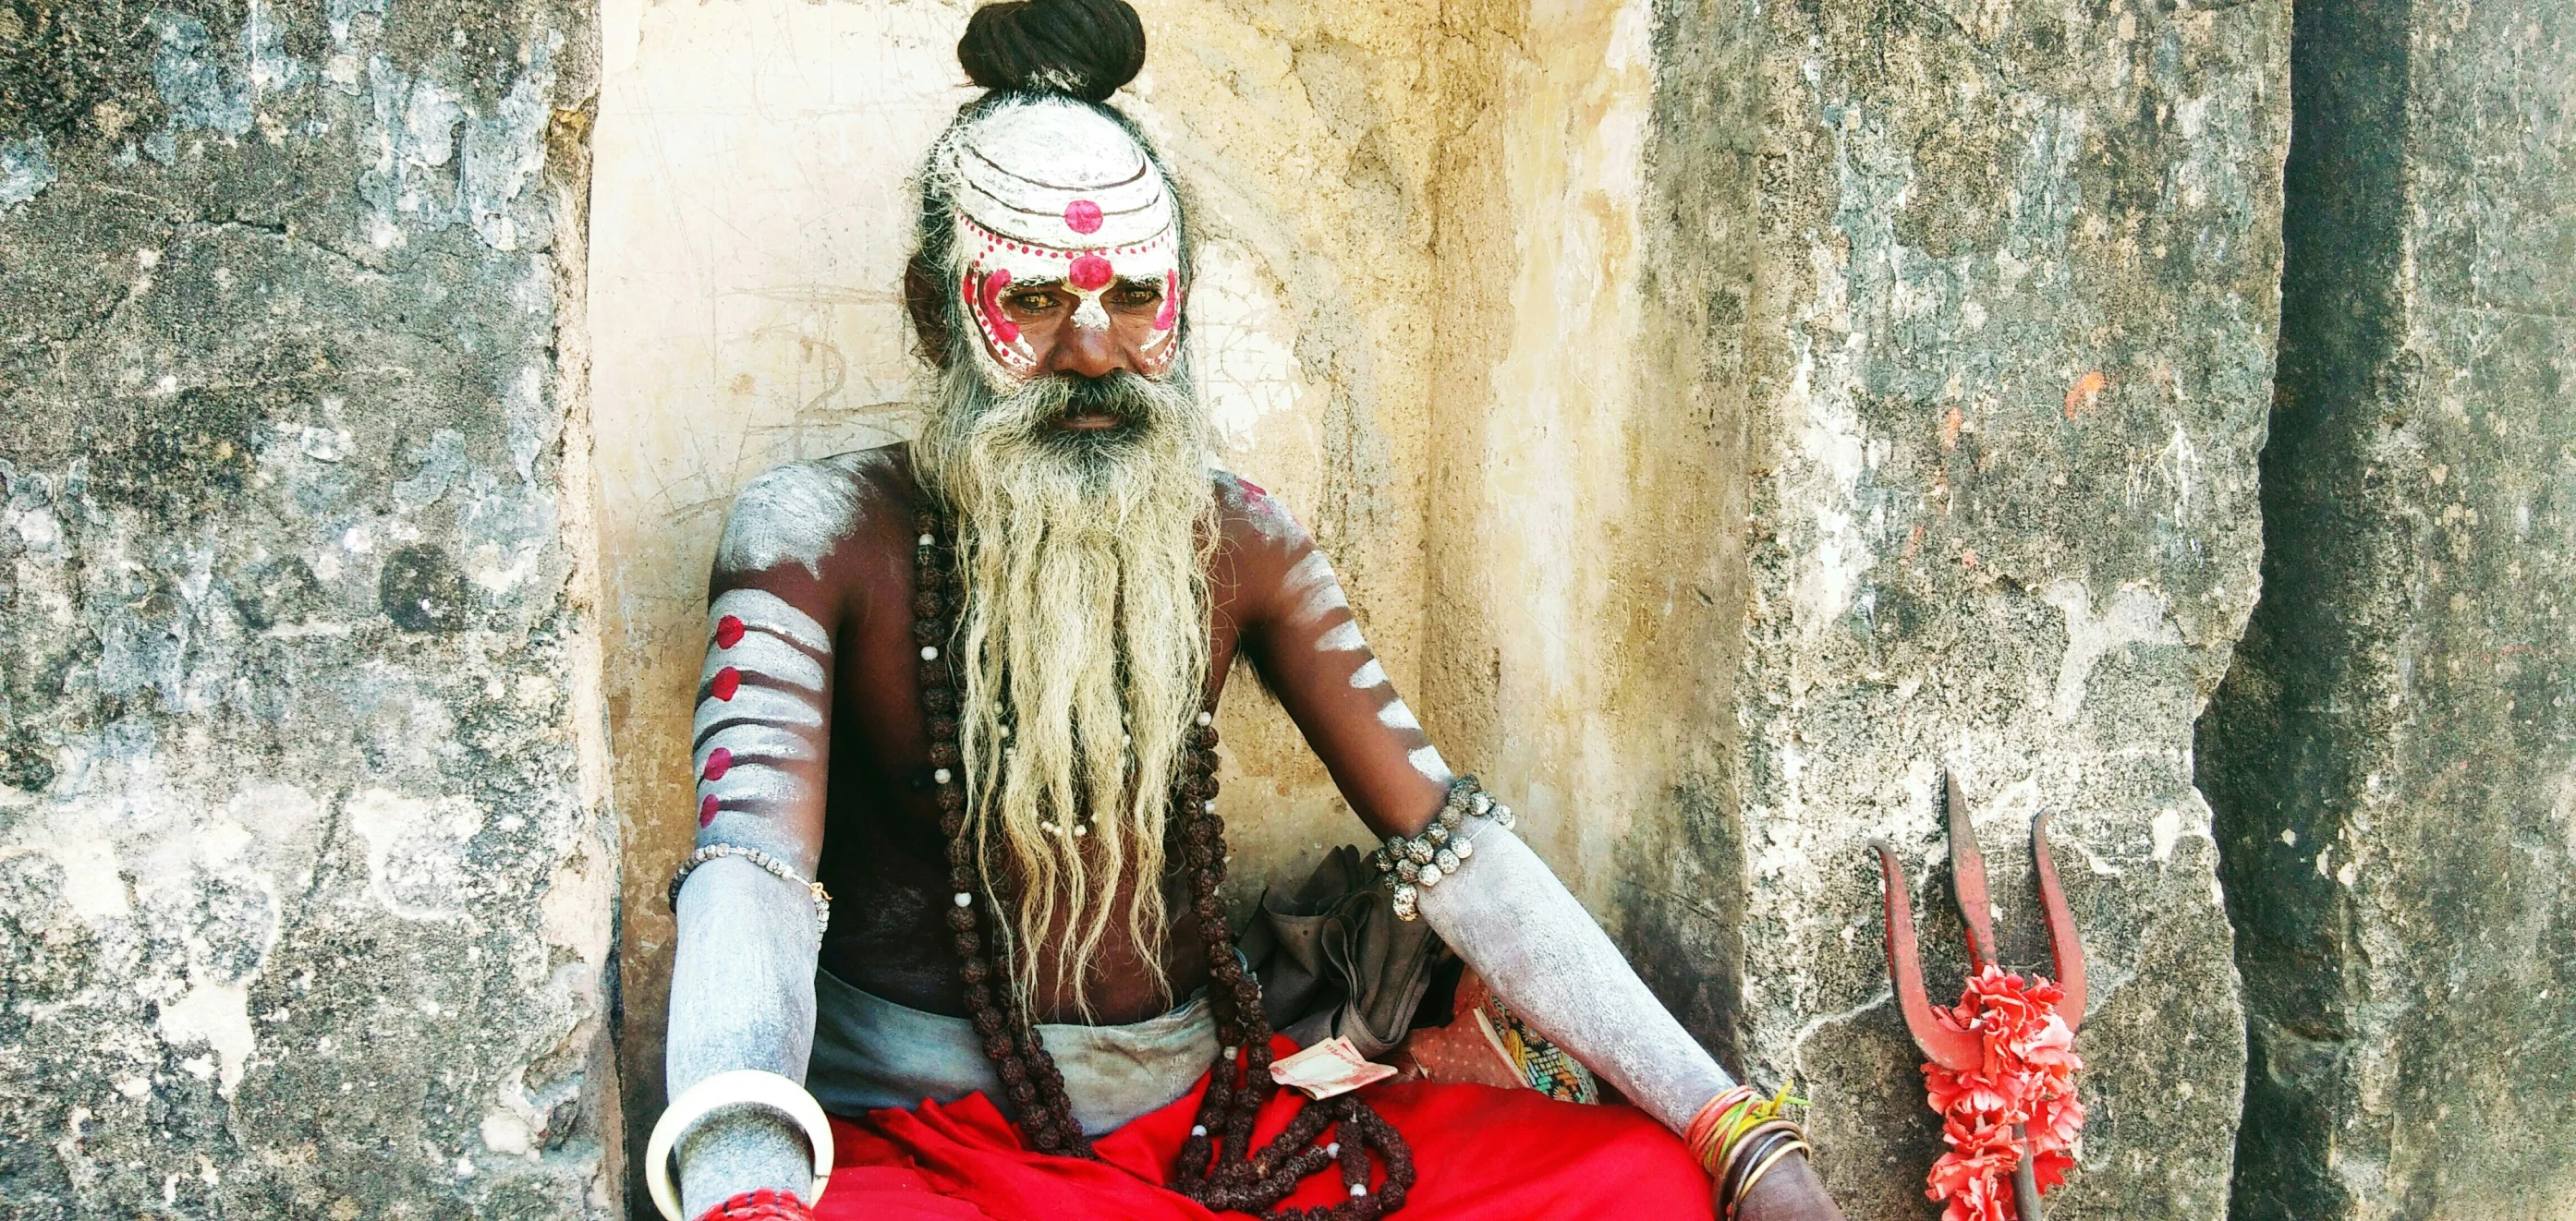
741	1087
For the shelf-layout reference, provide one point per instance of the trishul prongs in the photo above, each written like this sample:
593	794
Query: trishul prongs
1946	1045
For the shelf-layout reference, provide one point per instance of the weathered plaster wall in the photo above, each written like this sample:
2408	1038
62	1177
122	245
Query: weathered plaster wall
2391	759
2014	302
305	875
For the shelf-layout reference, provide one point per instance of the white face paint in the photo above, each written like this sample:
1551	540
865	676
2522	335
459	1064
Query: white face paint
761	655
795	512
763	611
1369	676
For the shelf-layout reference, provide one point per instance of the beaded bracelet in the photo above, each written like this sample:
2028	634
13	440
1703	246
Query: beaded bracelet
1407	862
764	1204
822	898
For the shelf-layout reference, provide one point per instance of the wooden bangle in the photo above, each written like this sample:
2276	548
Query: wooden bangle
1749	1149
1770	1159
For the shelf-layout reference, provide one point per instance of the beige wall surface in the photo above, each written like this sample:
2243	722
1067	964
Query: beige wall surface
1372	315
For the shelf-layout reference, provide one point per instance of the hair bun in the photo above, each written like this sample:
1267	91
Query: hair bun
1085	48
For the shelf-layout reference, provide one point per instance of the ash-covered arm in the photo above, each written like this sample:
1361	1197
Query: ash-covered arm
742	996
1538	949
1505	912
742	979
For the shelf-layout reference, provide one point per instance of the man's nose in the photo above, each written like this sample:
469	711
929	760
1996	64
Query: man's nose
1088	352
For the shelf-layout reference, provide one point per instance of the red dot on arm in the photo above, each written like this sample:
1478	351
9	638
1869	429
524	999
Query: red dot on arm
728	632
719	761
707	810
728	681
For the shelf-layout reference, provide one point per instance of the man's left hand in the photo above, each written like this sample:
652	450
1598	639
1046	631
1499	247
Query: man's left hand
1791	1191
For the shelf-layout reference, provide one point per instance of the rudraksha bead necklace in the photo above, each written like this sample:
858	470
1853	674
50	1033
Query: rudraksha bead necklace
1238	1083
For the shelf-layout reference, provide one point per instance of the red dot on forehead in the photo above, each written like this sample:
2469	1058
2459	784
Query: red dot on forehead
719	761
1090	273
1082	216
728	632
707	810
728	681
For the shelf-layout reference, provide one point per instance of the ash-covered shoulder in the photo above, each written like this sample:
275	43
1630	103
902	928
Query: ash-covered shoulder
798	512
1250	518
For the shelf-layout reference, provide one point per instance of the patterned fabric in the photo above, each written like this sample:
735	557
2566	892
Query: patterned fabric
1542	1064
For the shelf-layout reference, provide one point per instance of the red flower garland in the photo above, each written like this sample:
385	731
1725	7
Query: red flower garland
2027	1080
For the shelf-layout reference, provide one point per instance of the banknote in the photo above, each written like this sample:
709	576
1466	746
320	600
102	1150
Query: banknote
1331	1067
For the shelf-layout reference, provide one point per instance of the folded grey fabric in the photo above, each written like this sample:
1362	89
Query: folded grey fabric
871	1053
1334	960
1331	956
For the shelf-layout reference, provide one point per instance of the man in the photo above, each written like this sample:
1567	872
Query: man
967	687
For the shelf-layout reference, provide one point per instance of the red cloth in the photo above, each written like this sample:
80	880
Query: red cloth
1478	1152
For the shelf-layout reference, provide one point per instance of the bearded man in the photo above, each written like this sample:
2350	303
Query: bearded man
957	867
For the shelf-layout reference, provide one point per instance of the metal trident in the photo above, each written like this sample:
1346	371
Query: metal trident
1952	1048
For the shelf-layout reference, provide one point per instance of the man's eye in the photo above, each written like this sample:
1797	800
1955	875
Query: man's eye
1138	296
1032	302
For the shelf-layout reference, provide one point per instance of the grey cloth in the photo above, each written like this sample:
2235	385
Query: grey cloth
871	1053
1332	960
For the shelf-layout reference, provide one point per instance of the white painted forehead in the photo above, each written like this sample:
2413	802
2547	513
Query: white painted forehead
1061	175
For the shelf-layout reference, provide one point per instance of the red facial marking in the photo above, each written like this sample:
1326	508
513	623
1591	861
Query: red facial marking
1090	273
719	761
1171	311
728	681
1082	216
1004	330
728	632
707	810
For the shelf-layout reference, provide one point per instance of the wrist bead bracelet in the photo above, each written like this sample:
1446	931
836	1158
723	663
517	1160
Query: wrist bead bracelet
1411	861
822	898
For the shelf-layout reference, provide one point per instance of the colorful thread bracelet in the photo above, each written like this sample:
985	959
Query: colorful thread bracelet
1739	1112
1705	1127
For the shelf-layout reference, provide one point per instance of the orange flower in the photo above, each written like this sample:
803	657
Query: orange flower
2026	1081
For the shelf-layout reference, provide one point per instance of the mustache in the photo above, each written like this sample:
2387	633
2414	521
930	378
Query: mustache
1139	405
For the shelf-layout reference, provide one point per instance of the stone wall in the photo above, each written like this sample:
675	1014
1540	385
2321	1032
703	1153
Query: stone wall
2394	758
305	878
2006	346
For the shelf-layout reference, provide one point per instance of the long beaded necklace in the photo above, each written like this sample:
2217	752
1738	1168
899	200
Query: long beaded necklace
1239	1081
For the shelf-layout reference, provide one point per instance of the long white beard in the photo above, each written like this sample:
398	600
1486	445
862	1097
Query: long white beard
1083	638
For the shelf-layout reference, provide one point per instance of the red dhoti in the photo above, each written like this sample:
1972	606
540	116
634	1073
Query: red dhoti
1478	1152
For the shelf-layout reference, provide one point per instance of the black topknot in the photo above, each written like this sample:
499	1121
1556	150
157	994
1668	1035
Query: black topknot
1085	48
